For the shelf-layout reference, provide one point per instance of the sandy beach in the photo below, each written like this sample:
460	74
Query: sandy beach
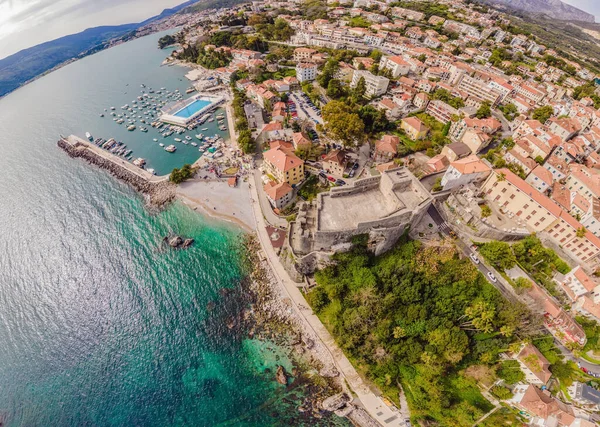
218	200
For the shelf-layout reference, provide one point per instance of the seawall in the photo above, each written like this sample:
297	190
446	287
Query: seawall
157	190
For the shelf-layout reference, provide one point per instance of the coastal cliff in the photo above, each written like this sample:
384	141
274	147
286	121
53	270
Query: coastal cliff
157	193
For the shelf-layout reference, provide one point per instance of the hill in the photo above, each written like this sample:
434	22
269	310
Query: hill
554	9
21	67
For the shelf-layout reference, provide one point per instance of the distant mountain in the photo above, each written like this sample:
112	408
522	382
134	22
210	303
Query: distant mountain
555	9
27	64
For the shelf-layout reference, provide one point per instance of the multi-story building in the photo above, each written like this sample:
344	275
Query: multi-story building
306	71
279	194
538	213
534	365
396	65
479	89
471	169
375	85
441	111
284	166
303	54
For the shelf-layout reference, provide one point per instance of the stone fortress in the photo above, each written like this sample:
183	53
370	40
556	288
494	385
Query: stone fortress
383	207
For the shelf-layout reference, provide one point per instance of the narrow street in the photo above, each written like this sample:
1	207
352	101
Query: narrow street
505	289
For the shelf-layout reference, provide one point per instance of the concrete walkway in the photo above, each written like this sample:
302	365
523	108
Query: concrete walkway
264	203
373	404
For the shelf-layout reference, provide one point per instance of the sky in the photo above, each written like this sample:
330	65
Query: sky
590	6
26	23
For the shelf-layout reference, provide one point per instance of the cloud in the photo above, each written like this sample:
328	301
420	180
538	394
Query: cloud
24	23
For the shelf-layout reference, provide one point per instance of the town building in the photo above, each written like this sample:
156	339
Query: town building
284	166
465	171
335	162
414	128
306	71
279	194
534	365
538	213
375	85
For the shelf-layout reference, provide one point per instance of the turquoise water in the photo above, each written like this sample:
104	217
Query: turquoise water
100	324
192	108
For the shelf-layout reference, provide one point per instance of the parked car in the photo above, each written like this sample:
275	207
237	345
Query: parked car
351	174
331	179
474	258
491	276
355	166
340	182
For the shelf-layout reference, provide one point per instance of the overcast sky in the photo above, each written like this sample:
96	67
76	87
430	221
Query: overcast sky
590	6
25	23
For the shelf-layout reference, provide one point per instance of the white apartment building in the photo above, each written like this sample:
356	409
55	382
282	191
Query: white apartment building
396	64
306	72
376	85
479	89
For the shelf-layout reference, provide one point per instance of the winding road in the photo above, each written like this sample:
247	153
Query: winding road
504	289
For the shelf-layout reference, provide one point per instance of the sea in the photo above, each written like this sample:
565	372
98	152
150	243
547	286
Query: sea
100	323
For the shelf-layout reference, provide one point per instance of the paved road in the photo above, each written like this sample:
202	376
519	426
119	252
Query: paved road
445	228
505	291
372	403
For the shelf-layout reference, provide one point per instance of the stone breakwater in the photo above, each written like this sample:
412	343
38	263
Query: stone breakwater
157	193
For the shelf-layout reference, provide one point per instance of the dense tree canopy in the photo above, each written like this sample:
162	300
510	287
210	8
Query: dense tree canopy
342	123
417	315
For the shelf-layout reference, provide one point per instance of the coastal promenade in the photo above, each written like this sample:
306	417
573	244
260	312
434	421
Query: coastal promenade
374	405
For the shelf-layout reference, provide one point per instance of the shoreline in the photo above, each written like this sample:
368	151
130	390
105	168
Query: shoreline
217	200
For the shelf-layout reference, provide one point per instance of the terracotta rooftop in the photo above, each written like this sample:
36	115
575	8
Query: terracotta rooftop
470	164
277	191
282	160
536	362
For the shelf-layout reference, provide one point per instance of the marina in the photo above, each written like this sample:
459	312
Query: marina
130	114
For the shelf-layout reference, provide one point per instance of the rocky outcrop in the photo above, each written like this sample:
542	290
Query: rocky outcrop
281	375
177	242
158	194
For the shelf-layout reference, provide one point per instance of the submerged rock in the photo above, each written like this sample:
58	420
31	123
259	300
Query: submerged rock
175	242
281	375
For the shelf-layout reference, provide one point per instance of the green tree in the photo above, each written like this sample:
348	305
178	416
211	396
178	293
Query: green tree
179	175
342	123
510	371
501	393
246	142
360	89
499	254
484	111
542	114
335	89
485	211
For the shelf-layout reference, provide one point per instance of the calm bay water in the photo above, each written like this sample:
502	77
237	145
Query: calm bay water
100	325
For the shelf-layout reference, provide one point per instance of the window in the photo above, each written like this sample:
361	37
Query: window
562	240
536	224
525	207
512	196
504	190
533	213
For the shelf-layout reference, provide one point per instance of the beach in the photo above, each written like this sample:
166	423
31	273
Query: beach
218	200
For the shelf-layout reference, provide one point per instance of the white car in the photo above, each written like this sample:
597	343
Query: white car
474	258
491	276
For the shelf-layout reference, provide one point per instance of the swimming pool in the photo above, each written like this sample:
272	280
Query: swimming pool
191	109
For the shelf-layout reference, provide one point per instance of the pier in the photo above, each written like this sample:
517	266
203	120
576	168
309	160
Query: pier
158	189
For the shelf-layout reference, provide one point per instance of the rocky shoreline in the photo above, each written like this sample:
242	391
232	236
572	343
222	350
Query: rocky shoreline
274	319
157	193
